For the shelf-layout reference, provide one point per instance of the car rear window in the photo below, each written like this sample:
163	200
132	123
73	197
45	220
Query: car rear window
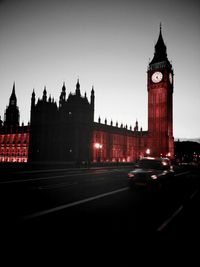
149	164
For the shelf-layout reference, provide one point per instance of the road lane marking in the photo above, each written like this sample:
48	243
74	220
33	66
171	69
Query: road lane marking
50	170
55	177
36	179
194	194
56	186
48	211
181	173
163	225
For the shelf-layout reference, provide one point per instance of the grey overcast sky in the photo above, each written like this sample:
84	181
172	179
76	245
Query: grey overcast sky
104	43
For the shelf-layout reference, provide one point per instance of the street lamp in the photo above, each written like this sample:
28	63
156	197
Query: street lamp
98	147
148	151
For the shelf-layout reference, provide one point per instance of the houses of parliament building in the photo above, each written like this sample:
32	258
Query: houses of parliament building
66	131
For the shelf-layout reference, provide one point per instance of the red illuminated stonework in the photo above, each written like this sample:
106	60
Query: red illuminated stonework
14	144
67	132
118	144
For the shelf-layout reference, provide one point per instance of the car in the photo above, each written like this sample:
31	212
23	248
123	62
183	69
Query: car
150	172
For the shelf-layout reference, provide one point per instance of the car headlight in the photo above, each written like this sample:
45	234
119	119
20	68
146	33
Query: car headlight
154	177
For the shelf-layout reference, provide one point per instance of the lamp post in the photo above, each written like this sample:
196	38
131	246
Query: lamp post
98	147
148	151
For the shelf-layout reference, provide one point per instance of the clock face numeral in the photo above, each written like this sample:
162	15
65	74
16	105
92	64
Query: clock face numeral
157	77
170	77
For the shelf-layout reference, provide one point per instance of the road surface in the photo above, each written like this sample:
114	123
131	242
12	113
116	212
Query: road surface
95	206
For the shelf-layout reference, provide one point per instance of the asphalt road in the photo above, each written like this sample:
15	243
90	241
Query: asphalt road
83	208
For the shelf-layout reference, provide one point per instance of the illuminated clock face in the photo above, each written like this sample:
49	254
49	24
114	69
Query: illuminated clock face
157	77
170	77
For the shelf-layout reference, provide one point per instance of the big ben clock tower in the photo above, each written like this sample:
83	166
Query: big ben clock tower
160	102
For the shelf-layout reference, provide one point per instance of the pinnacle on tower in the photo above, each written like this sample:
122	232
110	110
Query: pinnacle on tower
62	94
78	92
92	97
44	94
33	99
63	87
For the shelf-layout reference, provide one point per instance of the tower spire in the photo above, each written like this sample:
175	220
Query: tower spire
13	88
160	53
12	111
13	98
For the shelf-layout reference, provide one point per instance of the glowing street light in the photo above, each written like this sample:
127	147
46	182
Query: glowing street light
148	151
168	154
98	147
